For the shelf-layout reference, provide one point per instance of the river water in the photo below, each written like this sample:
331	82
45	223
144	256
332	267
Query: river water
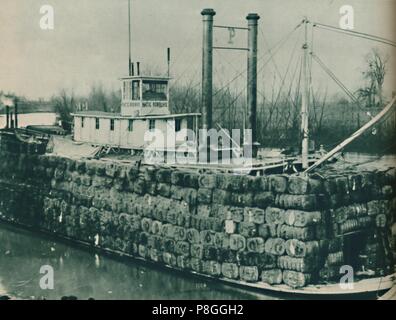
85	274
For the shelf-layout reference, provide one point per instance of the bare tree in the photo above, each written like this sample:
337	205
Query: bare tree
374	75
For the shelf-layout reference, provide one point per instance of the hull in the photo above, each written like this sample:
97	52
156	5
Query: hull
371	288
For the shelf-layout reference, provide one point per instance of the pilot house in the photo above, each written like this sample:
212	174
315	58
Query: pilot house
144	107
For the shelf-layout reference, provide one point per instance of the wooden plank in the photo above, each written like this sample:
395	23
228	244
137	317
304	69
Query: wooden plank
354	136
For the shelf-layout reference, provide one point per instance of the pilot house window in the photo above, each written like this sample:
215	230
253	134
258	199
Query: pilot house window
151	125
82	122
130	125
97	123
177	125
111	124
154	90
131	90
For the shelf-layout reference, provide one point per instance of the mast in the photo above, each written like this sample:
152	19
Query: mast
129	38
305	101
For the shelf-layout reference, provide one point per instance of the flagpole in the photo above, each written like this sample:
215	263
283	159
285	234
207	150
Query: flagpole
129	38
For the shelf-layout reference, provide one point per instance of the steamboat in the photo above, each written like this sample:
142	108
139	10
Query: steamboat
145	131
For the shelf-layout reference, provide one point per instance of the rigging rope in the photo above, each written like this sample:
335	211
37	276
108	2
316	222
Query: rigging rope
283	78
276	48
337	81
355	34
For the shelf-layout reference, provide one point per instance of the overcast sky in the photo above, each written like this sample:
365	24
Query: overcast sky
89	44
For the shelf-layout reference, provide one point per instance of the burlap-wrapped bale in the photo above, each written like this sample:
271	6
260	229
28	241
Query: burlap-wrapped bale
169	259
207	237
304	265
381	220
177	177
139	185
204	210
329	273
183	262
247	229
155	255
230	270
300	249
146	225
296	279
164	176
210	252
335	258
230	226
142	251
275	246
231	213
237	242
184	220
274	215
298	185
154	242
196	264
156	227
168	244
263	199
208	181
264	231
180	233
182	248
348	226
211	267
204	196
289	232
300	218
221	240
221	196
196	251
248	273
163	189
191	180
272	276
279	183
255	245
254	215
168	230
242	199
306	202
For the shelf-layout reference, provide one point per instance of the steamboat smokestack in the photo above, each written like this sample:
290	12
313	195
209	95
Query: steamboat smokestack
207	68
16	112
251	118
7	117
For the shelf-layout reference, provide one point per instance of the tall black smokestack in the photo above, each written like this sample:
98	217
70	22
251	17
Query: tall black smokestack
7	117
169	60
207	68
251	119
16	112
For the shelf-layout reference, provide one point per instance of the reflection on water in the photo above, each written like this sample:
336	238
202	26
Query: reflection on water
83	274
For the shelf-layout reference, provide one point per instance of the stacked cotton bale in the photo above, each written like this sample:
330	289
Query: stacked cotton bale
361	214
275	229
